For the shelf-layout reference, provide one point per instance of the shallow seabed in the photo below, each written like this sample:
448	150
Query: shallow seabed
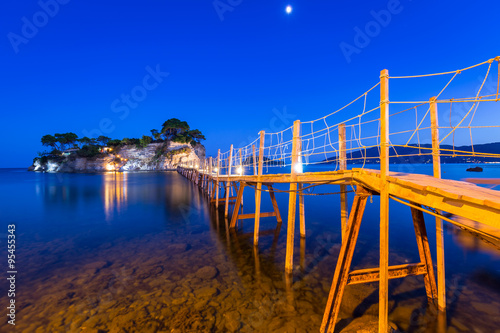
146	253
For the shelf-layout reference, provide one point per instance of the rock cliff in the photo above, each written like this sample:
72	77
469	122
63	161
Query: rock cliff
155	156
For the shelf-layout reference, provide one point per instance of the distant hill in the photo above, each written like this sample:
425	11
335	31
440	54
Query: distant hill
372	154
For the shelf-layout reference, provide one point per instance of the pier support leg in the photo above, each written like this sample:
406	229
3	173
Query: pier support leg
425	254
217	195
239	199
292	205
441	279
258	196
302	212
341	275
344	215
228	193
275	203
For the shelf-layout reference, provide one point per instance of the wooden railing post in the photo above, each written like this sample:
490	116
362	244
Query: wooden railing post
254	161
242	172
436	164
344	213
258	190
384	202
217	181
302	208
228	183
292	200
210	179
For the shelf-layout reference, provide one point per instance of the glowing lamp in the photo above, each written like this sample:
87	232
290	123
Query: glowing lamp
216	169
239	170
298	168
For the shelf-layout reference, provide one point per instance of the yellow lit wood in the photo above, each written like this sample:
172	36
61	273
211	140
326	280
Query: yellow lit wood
302	212
292	200
436	165
241	166
254	161
217	181
258	192
384	202
274	202
228	184
344	215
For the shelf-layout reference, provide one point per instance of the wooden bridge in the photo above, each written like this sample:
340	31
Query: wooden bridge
303	143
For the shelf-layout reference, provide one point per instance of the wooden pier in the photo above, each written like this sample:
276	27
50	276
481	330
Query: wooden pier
224	181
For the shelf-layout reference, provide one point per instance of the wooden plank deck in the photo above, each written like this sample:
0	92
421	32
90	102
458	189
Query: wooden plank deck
456	197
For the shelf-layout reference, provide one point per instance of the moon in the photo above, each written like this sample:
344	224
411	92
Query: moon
288	9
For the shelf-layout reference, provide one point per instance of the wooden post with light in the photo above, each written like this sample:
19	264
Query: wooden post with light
292	199
436	166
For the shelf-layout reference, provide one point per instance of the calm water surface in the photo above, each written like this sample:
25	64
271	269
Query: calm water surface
144	252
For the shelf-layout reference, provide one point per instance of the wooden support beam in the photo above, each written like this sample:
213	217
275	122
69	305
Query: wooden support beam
343	166
252	215
275	203
258	192
210	170
236	209
228	184
302	216
384	203
242	170
224	199
254	161
341	275
395	272
292	199
217	181
424	253
436	164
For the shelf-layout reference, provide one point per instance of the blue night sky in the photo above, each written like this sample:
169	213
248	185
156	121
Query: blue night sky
231	71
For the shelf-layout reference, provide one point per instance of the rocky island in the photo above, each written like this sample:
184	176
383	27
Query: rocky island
163	150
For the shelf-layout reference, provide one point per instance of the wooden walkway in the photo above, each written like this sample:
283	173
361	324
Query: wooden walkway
459	198
456	197
477	207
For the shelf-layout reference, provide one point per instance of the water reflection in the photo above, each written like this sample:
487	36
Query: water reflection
149	256
115	193
473	242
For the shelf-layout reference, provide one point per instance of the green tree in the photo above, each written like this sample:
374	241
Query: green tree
173	127
144	141
88	151
155	134
114	143
103	140
65	139
49	141
195	136
84	141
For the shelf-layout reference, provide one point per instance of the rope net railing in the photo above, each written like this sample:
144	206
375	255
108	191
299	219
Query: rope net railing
467	116
464	103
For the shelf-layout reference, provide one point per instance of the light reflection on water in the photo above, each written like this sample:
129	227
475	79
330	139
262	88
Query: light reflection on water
115	192
124	250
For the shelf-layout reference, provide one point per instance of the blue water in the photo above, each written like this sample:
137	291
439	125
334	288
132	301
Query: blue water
123	252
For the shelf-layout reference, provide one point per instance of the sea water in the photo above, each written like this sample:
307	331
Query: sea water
145	252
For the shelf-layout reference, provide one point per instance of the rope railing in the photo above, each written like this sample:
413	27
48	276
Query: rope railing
353	131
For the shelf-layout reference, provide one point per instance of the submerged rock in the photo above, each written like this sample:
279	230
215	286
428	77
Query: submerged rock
206	273
367	324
